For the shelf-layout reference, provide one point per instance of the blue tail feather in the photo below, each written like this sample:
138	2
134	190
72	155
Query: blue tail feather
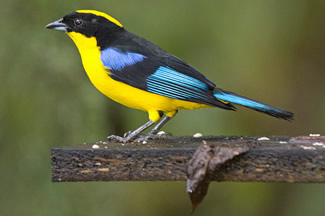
252	104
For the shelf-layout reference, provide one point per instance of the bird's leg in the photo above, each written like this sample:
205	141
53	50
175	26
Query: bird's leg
155	130
152	134
131	135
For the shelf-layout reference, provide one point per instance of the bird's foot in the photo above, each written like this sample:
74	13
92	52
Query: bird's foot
126	134
114	138
139	138
150	136
127	137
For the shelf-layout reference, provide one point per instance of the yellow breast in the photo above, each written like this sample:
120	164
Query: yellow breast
120	92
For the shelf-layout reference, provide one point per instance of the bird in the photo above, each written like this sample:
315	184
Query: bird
139	74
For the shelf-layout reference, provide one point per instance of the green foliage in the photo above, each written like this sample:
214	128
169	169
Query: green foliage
268	50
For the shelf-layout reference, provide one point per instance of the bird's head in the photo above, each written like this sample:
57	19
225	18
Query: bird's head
81	25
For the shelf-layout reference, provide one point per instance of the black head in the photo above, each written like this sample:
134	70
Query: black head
87	22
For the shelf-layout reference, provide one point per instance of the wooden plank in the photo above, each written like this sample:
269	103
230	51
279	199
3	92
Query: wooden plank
279	159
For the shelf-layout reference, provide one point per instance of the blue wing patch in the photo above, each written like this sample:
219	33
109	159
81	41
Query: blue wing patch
170	83
241	100
117	60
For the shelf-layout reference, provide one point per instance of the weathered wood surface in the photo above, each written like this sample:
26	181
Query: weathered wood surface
279	159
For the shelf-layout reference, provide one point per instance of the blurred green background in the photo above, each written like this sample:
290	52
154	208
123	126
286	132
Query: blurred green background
273	51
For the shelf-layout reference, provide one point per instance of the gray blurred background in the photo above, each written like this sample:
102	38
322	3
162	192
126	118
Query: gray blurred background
272	51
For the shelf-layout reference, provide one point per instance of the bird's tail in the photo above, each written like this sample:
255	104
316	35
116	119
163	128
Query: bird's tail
231	97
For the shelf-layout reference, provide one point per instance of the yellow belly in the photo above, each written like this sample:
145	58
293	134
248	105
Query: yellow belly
123	93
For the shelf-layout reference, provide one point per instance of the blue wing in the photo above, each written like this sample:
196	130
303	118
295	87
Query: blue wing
167	76
117	60
170	83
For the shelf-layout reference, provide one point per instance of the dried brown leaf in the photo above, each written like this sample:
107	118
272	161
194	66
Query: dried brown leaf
204	163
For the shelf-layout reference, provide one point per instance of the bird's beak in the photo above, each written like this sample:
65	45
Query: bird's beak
57	25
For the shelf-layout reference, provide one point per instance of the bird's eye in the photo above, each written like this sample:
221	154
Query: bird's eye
78	22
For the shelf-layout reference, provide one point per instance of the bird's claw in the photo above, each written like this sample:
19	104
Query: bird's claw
115	138
145	138
164	135
126	134
139	138
126	138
